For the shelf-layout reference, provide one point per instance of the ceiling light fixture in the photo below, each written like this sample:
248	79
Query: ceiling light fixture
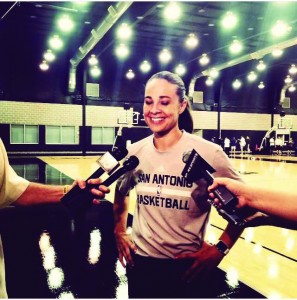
237	84
180	70
229	20
204	59
130	74
145	66
95	71
277	52
252	76
165	56
191	41
236	47
93	60
214	73
124	32
122	51
261	85
172	11
288	79
44	66
49	56
55	42
293	69
65	24
280	29
261	66
209	81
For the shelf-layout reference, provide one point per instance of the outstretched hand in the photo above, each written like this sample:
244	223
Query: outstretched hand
242	192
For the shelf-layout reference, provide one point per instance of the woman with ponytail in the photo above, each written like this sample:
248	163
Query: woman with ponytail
166	256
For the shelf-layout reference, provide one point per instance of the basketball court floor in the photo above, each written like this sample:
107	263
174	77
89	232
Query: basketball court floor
50	253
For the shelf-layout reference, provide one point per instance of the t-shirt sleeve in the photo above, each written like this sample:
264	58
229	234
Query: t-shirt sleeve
223	166
12	186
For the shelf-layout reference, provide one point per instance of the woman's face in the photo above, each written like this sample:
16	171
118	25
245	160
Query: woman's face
161	106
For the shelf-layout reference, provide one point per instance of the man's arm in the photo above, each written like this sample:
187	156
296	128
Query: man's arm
37	193
275	203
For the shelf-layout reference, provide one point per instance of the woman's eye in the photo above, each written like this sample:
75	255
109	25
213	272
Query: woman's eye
164	103
148	102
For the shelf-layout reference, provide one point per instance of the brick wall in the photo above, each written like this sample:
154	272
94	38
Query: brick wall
15	112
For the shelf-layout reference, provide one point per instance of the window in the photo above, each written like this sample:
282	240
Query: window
28	171
103	135
60	135
24	134
54	176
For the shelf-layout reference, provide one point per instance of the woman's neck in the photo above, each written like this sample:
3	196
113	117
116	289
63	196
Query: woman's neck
165	141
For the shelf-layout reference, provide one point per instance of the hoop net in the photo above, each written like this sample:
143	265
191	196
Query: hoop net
128	117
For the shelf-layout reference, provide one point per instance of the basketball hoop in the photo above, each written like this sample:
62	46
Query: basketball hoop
128	117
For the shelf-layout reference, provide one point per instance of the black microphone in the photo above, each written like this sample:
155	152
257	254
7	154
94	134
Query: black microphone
108	162
85	199
131	163
196	167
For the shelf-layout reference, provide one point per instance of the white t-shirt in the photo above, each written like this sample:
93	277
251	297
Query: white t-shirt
242	142
278	142
167	220
226	143
11	187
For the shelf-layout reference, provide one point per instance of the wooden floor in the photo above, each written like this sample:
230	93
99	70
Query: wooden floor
264	258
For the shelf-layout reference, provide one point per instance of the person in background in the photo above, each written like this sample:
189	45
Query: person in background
166	256
271	202
233	145
291	146
279	145
271	145
248	144
227	145
242	144
15	190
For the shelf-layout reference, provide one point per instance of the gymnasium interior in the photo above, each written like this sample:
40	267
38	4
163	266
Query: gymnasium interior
72	79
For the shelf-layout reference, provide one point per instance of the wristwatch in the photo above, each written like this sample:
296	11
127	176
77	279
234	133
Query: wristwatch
222	247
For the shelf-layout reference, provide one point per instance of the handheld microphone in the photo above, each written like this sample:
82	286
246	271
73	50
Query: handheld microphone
85	199
196	167
131	163
108	162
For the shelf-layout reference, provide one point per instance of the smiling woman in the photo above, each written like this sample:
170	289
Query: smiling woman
167	243
166	101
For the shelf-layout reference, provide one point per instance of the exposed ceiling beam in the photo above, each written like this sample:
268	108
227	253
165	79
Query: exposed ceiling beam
254	55
114	13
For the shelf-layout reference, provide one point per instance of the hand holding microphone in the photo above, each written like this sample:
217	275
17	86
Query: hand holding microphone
77	199
196	168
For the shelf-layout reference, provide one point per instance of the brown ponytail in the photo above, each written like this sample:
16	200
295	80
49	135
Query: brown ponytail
185	120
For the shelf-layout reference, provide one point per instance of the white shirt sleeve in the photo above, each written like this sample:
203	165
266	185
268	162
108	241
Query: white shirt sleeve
11	185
